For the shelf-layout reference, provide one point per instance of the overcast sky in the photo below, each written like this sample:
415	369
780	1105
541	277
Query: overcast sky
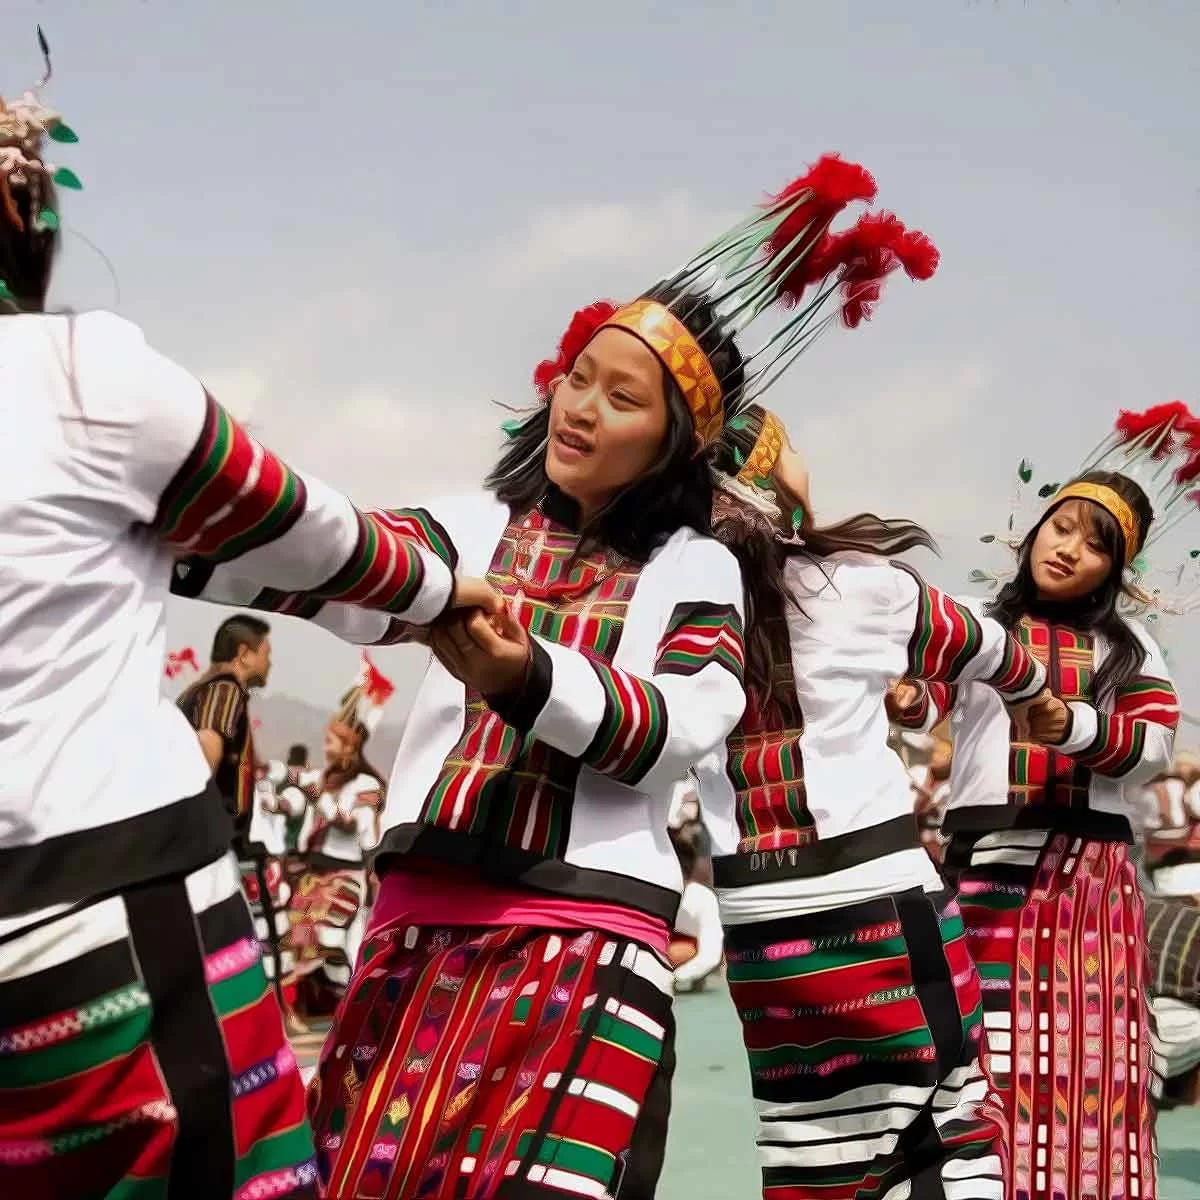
363	224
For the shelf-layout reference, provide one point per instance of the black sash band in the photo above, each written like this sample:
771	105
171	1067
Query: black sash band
818	858
980	819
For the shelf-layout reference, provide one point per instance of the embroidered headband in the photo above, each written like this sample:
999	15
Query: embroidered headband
766	451
656	327
1113	504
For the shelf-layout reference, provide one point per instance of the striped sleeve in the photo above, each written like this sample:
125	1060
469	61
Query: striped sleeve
1136	740
645	732
935	700
949	645
219	708
240	520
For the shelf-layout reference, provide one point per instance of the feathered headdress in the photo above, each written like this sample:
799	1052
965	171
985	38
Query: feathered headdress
362	706
1159	450
783	254
24	126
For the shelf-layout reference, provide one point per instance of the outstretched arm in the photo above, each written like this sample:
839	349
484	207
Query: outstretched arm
644	732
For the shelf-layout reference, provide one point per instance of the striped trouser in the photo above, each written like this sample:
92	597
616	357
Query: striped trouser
142	1055
862	1025
516	1063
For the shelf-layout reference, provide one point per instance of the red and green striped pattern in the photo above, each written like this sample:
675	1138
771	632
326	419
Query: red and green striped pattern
767	773
474	770
698	634
945	638
418	525
231	495
385	571
1016	677
845	1025
632	730
82	1097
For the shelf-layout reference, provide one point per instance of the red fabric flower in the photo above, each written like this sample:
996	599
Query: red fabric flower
580	331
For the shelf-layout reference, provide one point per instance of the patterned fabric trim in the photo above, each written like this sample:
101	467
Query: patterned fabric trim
177	1080
230	495
479	1061
946	636
384	570
1120	740
699	634
862	1028
419	525
633	729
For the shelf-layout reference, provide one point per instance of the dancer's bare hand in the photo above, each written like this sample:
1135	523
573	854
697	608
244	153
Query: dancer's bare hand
488	652
902	696
1048	719
470	592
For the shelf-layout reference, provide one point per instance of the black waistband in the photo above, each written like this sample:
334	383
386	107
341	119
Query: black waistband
507	865
980	819
817	858
175	839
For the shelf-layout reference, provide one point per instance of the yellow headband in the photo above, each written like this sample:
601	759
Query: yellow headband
767	449
659	329
1112	504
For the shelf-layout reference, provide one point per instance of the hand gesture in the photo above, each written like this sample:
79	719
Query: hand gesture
902	696
489	653
470	592
1048	719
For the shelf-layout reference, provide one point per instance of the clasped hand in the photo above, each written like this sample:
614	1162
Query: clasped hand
1044	719
480	642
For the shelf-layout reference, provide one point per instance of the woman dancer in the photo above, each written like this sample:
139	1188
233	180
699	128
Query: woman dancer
340	831
847	962
509	1029
1040	833
141	1051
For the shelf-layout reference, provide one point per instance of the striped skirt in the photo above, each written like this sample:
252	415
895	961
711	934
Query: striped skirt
515	1063
862	1025
142	1055
1055	923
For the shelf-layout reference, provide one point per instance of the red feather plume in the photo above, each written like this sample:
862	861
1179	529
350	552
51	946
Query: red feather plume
1172	417
827	187
579	332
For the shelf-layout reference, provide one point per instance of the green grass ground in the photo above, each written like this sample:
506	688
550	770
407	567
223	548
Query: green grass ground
711	1156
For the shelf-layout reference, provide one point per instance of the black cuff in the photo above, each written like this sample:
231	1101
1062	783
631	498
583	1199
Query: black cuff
522	706
190	576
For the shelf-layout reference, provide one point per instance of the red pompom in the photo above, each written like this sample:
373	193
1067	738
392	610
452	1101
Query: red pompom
918	255
580	331
822	191
859	300
1172	417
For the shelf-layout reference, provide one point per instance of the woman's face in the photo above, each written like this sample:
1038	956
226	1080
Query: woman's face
336	749
608	420
1067	559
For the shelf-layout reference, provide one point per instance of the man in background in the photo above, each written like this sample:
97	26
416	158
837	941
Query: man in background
218	707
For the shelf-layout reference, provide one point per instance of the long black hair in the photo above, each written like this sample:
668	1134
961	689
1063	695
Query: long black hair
1097	612
27	255
676	492
755	542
